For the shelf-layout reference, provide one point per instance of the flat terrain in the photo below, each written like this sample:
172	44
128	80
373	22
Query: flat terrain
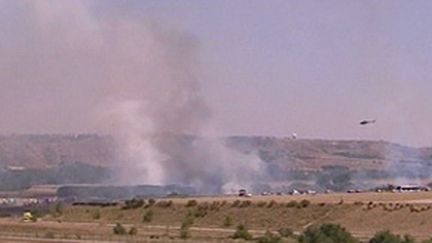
417	197
363	214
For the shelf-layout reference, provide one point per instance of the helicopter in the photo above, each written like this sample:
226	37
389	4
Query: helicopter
365	122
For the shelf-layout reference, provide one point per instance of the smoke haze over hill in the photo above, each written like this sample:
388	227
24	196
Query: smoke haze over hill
121	75
281	67
105	67
27	160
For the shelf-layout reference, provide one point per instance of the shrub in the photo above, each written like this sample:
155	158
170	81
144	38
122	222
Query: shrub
119	229
329	233
184	228
389	237
188	220
408	239
133	231
261	204
236	203
204	206
191	203
37	214
199	213
286	232
184	233
269	237
414	209
272	203
148	216
96	215
215	205
150	202
228	221
164	204
292	204
245	204
304	203
133	203
57	210
242	233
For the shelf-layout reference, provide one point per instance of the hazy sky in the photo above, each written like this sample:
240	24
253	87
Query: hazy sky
266	67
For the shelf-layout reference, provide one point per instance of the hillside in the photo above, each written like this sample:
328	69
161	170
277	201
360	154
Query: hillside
307	154
27	160
44	151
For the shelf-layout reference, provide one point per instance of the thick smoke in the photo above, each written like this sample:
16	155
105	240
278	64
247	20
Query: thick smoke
78	71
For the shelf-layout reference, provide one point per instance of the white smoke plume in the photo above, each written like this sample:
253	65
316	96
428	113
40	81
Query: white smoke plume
75	70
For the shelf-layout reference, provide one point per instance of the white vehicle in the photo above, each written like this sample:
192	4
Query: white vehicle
412	188
294	192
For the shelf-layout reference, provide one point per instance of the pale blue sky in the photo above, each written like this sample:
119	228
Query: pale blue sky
311	67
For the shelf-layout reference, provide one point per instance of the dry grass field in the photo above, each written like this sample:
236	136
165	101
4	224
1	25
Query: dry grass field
418	197
215	218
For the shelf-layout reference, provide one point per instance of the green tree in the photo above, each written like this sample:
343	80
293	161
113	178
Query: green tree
119	229
184	228
269	237
148	216
388	237
96	214
327	233
191	203
286	232
242	233
227	221
133	231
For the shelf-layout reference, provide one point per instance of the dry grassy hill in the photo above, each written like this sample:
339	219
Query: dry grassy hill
313	154
42	151
288	160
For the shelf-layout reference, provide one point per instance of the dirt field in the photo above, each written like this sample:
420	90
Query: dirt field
363	214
